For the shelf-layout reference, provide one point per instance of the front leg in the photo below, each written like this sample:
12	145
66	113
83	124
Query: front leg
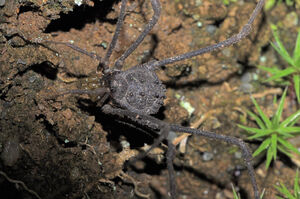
157	10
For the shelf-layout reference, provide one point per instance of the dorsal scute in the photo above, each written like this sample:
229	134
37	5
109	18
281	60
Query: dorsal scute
138	90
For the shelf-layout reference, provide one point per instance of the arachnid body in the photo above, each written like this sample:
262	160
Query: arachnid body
137	93
138	89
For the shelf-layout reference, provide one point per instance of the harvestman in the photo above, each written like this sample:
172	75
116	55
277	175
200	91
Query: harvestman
137	93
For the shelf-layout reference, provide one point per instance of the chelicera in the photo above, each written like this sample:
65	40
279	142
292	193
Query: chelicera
137	93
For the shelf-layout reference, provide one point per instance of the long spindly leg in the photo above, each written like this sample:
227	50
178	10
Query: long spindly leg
78	49
113	42
170	157
98	92
156	8
155	124
101	93
105	62
247	155
232	40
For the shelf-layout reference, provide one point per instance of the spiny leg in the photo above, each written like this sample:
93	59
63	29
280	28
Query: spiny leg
247	155
156	8
232	40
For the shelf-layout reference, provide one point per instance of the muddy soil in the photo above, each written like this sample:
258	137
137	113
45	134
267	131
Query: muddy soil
63	146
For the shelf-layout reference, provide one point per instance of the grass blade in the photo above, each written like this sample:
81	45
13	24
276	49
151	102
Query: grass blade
289	129
269	4
274	145
280	48
254	130
276	118
261	114
260	135
282	189
264	145
269	157
296	53
296	79
283	53
281	149
272	70
257	119
262	194
285	135
289	120
288	145
235	196
282	73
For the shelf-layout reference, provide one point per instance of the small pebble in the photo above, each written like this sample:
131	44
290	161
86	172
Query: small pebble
207	156
226	52
246	78
211	29
263	59
199	24
125	144
237	173
103	44
32	79
20	61
2	2
78	2
238	155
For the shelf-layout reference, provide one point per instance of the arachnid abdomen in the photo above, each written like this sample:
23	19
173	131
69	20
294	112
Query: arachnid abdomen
138	90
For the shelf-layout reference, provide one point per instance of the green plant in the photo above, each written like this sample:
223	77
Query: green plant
273	133
227	2
271	3
294	63
237	196
283	190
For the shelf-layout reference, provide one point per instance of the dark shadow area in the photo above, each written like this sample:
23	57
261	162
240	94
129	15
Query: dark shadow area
286	159
45	69
9	190
151	167
136	134
243	194
52	130
82	15
218	22
156	192
28	8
